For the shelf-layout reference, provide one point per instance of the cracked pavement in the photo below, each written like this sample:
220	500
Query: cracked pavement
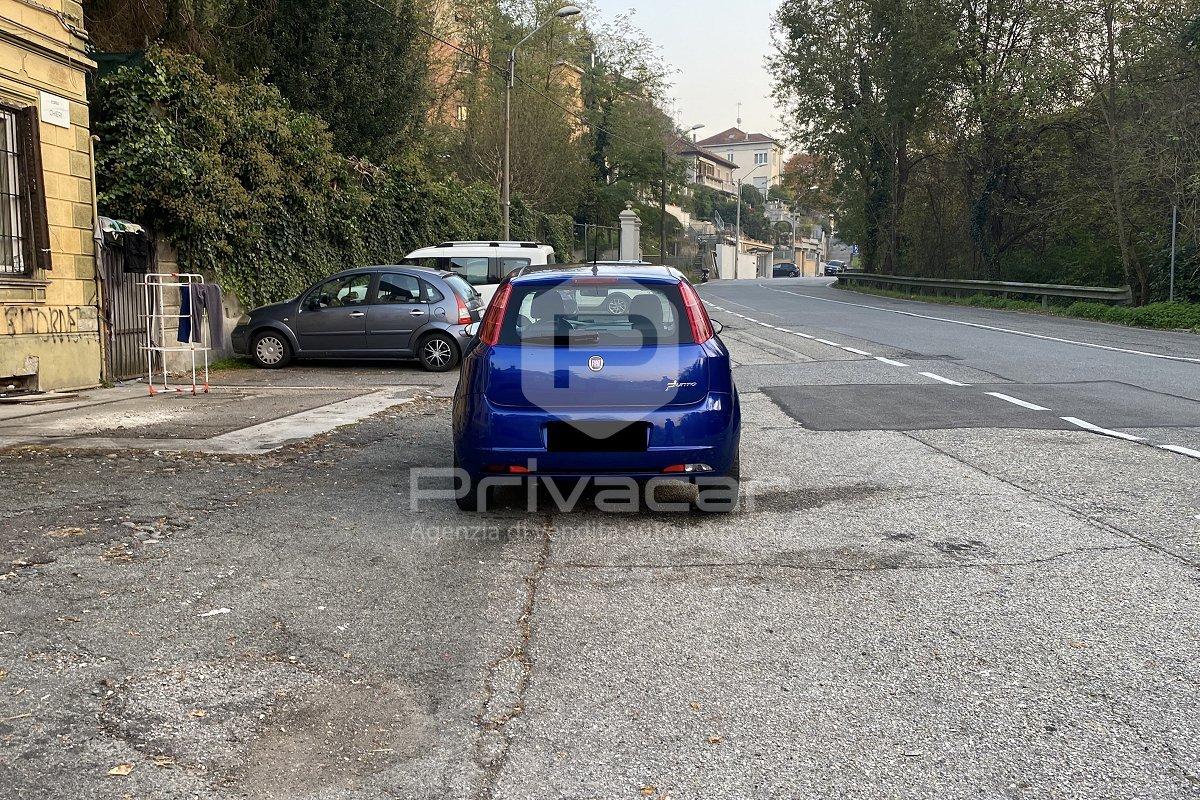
941	613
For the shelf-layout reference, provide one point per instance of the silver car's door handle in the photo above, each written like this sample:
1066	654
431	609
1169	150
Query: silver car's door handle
358	313
416	312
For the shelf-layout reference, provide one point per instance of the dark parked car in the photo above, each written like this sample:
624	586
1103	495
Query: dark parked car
396	312
785	269
835	267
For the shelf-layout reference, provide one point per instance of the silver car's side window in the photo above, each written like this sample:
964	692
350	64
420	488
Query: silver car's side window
339	292
395	288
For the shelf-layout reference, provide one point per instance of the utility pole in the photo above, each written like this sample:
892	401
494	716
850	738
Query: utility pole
662	196
509	82
506	200
1174	225
737	239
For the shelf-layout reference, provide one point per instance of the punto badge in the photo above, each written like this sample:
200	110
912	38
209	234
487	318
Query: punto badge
595	363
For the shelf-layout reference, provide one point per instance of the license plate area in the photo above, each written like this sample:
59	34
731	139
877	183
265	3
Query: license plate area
597	437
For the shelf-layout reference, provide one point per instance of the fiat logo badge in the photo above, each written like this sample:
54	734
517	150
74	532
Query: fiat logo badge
595	363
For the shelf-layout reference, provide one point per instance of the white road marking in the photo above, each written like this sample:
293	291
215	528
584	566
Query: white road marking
749	319
1102	431
1017	401
856	350
993	328
890	361
1186	451
826	341
943	380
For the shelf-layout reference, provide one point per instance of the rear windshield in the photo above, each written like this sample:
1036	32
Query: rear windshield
461	288
616	313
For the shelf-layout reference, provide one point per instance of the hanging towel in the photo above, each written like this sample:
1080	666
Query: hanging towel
206	298
185	315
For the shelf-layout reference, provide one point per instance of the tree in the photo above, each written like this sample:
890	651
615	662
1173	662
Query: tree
359	66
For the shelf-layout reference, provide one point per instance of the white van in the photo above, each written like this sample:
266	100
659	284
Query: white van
483	264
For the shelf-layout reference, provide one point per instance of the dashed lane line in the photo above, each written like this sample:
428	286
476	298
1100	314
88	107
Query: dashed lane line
1016	401
1173	448
943	380
1183	451
1087	426
992	328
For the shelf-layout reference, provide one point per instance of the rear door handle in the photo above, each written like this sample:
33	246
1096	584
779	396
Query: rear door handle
416	312
358	313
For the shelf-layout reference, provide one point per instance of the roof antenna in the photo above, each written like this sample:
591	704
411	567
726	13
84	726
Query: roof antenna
739	115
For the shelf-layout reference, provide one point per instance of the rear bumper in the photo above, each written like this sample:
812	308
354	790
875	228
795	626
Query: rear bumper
240	339
486	436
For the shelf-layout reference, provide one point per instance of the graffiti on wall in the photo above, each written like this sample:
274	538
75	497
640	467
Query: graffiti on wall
56	323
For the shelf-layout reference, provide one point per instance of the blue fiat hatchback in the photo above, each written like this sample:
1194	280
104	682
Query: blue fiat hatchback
598	371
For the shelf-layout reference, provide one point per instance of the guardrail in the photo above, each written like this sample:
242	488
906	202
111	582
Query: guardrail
1121	295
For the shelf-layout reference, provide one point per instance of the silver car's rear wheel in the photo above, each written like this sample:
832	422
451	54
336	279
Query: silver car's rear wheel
617	303
438	353
271	350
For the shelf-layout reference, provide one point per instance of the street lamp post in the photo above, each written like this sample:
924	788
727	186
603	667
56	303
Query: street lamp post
510	82
737	240
662	195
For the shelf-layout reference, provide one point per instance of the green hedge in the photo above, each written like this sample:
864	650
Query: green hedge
253	191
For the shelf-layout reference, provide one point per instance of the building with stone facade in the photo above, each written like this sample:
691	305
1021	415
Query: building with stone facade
50	331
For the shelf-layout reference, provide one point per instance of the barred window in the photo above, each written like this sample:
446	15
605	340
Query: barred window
24	234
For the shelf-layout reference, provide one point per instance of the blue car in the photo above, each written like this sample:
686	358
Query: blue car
612	373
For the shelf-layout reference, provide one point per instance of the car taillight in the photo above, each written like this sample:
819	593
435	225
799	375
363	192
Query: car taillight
489	329
464	313
702	329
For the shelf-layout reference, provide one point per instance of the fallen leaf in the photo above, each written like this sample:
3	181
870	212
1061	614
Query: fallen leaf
198	712
649	790
1075	644
121	769
694	705
714	739
62	533
163	761
3	674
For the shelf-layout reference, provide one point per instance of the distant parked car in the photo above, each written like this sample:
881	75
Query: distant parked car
483	264
785	269
835	267
398	312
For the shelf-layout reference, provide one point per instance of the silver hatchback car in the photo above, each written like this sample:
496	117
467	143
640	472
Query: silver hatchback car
392	312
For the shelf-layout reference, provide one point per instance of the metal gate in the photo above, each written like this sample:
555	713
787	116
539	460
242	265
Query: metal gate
124	301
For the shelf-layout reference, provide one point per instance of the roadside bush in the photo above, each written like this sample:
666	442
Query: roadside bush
1163	316
249	189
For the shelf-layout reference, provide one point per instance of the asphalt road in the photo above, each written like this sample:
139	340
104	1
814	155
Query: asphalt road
930	591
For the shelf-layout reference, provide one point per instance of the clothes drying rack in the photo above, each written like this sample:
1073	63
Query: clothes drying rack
160	325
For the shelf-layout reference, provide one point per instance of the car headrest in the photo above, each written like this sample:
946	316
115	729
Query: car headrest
548	305
648	306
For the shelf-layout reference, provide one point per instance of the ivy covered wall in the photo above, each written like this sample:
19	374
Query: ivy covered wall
252	191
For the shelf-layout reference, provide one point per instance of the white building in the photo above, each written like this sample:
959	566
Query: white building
755	153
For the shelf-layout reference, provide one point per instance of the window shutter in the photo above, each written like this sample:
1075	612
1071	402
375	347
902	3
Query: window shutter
35	185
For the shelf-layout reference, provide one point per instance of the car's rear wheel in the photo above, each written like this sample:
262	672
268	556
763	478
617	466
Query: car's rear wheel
617	303
720	496
438	353
271	350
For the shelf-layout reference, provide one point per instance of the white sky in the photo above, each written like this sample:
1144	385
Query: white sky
718	46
